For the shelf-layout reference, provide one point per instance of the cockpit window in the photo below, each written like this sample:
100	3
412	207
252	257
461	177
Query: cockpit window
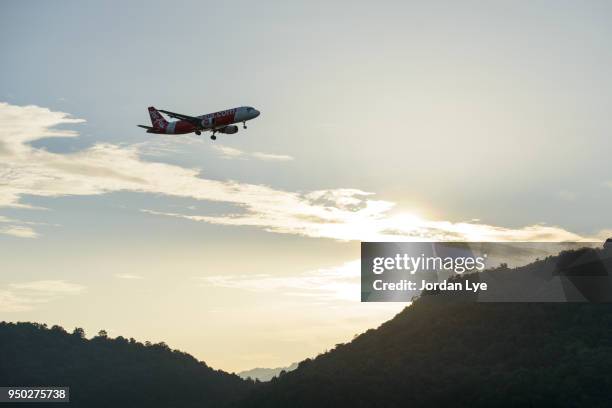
249	109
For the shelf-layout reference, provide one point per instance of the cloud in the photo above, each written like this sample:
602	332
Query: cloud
370	224
271	157
604	234
10	302
341	214
336	283
19	297
232	153
128	276
19	231
48	286
100	169
161	145
229	152
16	230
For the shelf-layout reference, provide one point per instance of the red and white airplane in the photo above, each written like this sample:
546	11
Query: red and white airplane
222	122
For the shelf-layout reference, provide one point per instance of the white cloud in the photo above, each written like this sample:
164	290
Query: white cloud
271	157
341	214
19	231
229	152
336	283
48	286
162	145
233	153
19	297
128	276
11	302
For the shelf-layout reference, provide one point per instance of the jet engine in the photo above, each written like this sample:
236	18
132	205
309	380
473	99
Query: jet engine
230	130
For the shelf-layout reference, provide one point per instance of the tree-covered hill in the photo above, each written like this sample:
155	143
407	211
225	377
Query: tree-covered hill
446	350
440	353
443	350
104	372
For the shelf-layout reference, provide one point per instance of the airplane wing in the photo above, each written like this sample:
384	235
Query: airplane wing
180	116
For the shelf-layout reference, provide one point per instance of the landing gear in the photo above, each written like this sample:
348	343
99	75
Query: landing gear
213	137
244	125
197	132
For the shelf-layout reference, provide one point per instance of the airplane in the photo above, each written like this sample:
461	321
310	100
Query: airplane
222	121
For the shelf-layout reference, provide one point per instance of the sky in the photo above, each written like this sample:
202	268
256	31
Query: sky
404	121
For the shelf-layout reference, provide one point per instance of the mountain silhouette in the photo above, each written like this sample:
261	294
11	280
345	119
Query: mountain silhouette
443	350
450	350
105	372
438	353
265	374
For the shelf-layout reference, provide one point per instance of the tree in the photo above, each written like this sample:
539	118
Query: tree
79	332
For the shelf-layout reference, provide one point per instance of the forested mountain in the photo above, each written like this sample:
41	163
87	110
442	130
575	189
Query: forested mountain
104	372
447	350
439	353
443	350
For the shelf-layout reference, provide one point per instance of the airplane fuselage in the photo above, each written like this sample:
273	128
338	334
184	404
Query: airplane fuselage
219	121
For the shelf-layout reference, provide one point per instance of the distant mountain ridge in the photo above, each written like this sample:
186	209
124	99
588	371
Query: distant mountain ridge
266	374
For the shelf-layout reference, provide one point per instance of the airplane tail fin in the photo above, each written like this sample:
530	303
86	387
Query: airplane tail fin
157	119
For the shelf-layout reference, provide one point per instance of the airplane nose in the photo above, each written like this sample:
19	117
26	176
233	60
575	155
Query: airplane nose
256	113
